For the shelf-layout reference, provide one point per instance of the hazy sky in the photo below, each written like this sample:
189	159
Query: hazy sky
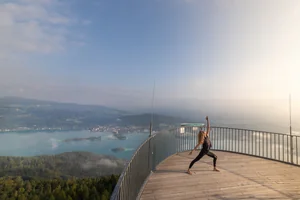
110	52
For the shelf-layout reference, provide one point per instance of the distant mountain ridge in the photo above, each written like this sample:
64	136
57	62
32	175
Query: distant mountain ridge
144	120
11	100
18	112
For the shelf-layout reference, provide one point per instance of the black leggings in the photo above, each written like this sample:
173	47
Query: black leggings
201	154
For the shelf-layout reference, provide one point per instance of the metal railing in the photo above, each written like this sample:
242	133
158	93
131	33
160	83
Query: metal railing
154	150
270	145
275	146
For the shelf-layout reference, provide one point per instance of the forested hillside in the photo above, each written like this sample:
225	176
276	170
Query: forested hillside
65	165
16	188
71	175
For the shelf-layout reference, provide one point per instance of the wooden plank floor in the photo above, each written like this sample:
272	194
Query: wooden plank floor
240	177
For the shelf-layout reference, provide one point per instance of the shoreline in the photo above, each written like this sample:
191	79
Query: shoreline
47	131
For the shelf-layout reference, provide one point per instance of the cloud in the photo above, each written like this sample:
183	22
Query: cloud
39	26
101	163
30	28
107	162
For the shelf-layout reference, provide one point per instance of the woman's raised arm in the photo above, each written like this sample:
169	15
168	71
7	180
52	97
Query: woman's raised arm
207	125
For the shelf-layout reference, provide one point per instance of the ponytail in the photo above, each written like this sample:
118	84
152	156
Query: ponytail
200	137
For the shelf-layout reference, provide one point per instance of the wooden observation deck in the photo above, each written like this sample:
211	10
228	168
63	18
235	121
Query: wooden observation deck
240	177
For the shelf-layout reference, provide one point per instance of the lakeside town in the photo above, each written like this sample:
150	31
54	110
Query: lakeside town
99	128
120	129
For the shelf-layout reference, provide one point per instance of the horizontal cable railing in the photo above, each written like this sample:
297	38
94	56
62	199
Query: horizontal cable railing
275	146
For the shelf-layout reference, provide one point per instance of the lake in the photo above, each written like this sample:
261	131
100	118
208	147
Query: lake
45	143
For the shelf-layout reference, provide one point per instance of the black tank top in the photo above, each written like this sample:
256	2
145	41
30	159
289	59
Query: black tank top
206	143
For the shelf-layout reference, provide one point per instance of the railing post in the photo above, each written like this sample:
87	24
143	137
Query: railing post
149	155
291	136
150	149
283	148
297	149
291	144
278	140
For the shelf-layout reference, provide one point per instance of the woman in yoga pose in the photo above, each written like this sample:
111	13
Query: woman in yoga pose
203	138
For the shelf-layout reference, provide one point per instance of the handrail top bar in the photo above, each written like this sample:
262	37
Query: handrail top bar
243	129
253	130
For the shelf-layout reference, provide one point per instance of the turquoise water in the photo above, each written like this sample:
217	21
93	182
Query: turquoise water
45	143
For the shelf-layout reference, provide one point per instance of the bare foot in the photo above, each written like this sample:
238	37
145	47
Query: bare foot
215	169
189	172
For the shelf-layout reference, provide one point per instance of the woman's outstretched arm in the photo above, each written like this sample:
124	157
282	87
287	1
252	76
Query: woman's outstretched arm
195	148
